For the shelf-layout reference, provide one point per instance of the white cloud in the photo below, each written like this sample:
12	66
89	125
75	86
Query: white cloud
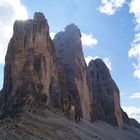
9	12
135	95
109	7
106	61
135	9
137	38
133	112
136	73
88	40
52	34
135	49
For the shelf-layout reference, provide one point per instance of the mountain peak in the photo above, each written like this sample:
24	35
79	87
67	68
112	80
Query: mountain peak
39	16
72	28
105	94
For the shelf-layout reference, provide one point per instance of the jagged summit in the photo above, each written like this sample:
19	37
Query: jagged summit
100	67
72	36
72	28
39	16
97	60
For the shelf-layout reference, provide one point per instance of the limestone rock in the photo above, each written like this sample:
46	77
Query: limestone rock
52	76
30	73
68	49
105	94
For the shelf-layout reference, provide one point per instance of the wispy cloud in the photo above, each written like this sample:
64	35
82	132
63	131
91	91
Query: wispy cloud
9	12
135	95
135	49
132	111
136	73
88	40
135	9
109	7
52	35
106	61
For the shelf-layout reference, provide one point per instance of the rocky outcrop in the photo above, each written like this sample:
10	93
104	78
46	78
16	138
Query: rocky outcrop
105	94
125	118
52	76
68	49
30	74
134	123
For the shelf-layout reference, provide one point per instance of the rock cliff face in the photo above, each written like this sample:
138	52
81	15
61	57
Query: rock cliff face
31	74
105	94
68	49
52	76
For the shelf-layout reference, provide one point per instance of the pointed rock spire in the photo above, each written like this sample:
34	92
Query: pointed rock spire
105	94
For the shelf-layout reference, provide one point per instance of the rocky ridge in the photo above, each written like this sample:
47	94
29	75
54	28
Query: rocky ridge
42	75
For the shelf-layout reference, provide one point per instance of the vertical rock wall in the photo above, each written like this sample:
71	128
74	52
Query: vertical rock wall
105	94
31	74
69	53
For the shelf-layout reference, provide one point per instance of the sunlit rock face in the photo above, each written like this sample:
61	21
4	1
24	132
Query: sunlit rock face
31	74
68	49
105	94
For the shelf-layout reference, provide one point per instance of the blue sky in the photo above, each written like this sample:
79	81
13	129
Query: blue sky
110	30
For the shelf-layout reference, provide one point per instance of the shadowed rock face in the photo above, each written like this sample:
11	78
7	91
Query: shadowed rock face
30	73
68	49
125	118
134	123
105	94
